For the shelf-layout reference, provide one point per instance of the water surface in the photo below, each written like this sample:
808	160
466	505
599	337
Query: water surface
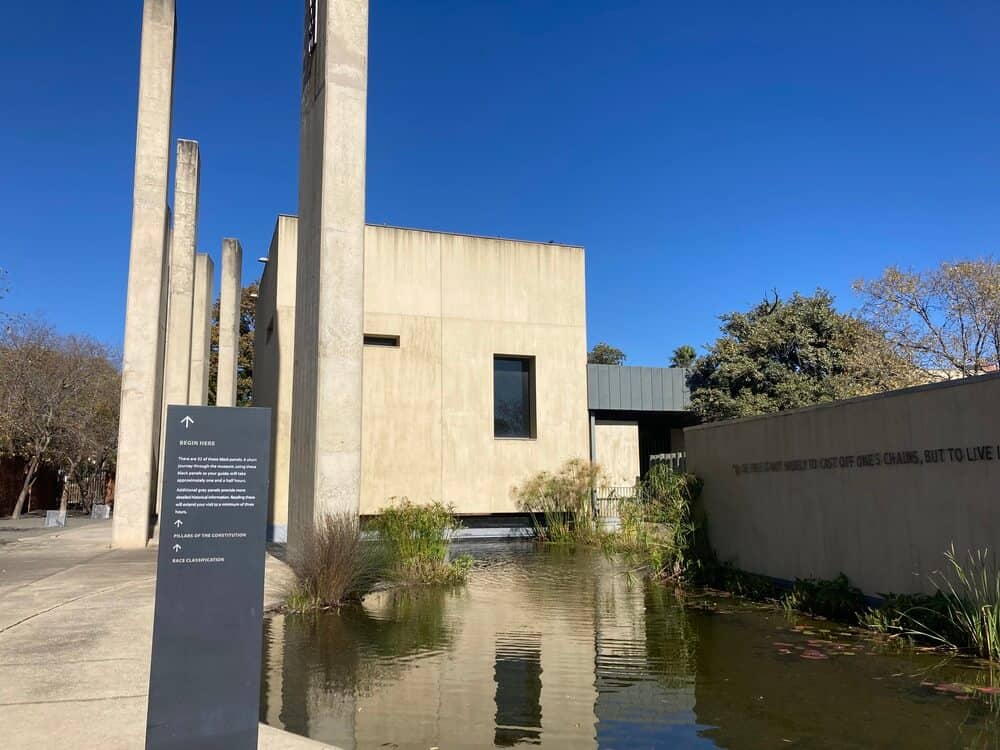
555	648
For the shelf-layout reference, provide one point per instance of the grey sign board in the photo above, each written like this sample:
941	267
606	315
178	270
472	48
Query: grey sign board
204	685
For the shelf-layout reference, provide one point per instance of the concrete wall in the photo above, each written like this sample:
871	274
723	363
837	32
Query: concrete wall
616	451
876	488
455	301
274	343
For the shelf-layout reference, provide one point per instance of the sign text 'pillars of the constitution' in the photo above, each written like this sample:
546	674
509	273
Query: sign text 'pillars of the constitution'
204	688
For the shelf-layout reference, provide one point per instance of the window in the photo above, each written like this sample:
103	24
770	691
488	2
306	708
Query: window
513	397
380	340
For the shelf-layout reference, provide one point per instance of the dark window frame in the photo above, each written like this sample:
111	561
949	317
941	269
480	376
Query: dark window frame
532	396
384	340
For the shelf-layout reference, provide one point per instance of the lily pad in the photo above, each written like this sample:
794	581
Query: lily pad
813	654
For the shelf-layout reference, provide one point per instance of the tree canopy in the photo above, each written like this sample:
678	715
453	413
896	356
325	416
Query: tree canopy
683	356
58	401
244	358
945	321
605	354
787	354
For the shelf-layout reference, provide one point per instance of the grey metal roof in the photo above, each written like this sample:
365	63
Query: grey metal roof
611	388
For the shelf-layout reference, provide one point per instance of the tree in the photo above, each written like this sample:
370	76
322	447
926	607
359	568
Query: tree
244	359
683	356
3	292
47	394
89	445
605	354
787	354
945	322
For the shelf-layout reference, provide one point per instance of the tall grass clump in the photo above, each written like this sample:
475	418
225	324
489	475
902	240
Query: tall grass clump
333	565
416	538
963	615
660	525
973	593
561	504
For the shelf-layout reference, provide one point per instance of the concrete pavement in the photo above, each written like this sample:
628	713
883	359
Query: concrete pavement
76	623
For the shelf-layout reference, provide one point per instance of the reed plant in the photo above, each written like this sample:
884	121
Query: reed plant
561	504
416	540
658	528
333	565
973	593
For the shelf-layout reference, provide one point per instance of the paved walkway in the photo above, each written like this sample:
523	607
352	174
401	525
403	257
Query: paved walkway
76	621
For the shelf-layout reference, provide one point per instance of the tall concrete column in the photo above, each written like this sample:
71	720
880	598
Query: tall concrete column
229	322
142	356
201	328
177	359
329	316
180	287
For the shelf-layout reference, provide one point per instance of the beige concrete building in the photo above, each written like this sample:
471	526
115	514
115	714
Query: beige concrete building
474	375
473	366
274	347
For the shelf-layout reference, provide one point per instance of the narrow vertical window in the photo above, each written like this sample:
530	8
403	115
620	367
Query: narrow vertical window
513	397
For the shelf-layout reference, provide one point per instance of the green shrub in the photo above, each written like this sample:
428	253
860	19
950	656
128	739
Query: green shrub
748	585
836	599
416	540
561	504
333	565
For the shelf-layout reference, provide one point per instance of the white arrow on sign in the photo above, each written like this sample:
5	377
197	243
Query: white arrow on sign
187	422
178	522
177	548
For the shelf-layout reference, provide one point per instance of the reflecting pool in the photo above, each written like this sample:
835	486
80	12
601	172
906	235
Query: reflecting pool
559	648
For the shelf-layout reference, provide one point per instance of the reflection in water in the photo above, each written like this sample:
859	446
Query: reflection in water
554	648
519	689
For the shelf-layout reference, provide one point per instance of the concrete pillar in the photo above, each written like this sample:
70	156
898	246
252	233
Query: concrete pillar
180	287
329	317
177	359
230	293
201	328
142	356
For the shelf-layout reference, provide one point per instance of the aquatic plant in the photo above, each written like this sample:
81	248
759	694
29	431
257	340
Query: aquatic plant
727	577
964	613
898	614
561	504
973	593
333	565
416	538
658	527
836	599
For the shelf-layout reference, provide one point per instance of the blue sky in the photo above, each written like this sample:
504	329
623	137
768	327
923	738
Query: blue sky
704	153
